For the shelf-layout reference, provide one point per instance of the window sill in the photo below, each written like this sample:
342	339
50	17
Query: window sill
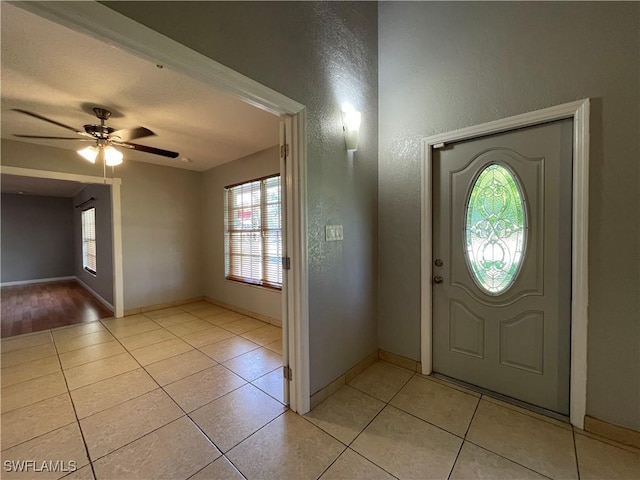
254	285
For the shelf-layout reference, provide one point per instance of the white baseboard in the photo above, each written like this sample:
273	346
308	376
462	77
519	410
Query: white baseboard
37	280
93	292
265	318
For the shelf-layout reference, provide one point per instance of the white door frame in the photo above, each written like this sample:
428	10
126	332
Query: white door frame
114	183
109	26
579	112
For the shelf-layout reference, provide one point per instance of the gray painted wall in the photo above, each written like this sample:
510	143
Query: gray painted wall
321	54
255	299
161	214
37	237
102	281
445	66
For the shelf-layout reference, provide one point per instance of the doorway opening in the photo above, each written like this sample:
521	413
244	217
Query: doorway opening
57	268
111	27
113	184
579	113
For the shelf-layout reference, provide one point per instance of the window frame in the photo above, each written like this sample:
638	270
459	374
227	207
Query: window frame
263	231
85	241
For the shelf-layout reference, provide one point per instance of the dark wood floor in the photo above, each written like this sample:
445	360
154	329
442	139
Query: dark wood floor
40	306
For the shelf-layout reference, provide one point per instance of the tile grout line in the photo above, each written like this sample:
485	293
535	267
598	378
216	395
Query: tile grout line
35	403
247	438
34	378
127	350
348	446
464	437
491	451
508	459
438	427
426	421
53	342
575	451
155	429
524	411
75	412
212	462
234	466
265	392
432	424
611	443
475	410
498	401
334	460
186	414
121	403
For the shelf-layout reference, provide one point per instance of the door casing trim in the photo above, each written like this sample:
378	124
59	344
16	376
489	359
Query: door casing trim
579	112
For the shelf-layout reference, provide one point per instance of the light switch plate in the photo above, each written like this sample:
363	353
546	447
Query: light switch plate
333	233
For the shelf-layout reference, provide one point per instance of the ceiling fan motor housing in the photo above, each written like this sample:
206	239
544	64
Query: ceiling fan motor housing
102	113
99	131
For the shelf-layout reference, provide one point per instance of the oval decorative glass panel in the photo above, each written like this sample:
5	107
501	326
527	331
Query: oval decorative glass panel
495	229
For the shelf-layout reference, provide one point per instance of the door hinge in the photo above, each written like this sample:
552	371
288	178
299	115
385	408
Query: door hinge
284	150
287	373
286	263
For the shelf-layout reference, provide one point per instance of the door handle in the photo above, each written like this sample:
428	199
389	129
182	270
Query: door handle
438	279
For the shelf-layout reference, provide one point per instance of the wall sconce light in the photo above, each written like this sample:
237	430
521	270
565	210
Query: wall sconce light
351	126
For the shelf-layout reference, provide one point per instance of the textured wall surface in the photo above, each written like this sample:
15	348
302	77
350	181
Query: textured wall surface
102	281
255	299
321	54
161	235
36	237
161	213
445	66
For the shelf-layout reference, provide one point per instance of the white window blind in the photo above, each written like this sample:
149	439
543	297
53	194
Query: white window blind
89	240
253	239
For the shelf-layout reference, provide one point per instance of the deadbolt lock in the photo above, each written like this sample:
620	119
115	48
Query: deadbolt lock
438	262
438	279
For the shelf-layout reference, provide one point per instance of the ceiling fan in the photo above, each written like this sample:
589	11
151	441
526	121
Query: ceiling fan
105	138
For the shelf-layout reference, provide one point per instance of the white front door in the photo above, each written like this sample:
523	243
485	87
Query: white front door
502	263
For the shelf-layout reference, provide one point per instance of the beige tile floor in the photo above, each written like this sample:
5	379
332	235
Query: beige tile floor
196	392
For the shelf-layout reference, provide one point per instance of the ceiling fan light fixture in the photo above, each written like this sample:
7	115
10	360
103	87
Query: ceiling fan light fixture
104	136
112	157
89	153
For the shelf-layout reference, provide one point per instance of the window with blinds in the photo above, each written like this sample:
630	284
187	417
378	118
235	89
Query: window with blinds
253	239
89	240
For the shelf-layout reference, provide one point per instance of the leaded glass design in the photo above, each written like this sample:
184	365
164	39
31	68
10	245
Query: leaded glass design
495	229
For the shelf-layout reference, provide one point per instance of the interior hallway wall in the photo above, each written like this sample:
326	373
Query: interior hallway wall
264	301
102	282
321	54
36	237
161	214
445	66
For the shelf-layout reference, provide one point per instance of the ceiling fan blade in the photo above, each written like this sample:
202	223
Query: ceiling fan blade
54	138
40	117
146	149
127	134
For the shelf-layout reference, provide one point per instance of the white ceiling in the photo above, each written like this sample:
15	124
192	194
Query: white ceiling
47	187
39	186
61	74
